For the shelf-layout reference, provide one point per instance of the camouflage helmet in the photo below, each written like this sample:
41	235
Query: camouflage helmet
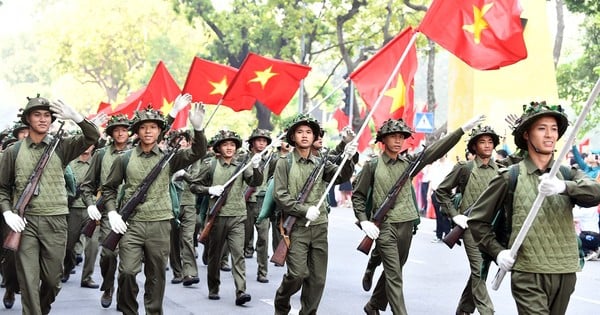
482	131
299	120
18	126
35	103
259	133
391	126
115	121
147	115
224	135
531	113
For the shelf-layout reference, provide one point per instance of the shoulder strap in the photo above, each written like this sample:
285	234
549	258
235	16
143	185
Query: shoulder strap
464	178
16	146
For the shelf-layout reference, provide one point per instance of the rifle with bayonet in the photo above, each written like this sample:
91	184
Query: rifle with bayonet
390	200
139	195
13	239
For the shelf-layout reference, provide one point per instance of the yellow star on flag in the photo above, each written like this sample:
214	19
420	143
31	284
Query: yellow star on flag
398	95
166	108
219	87
479	23
263	76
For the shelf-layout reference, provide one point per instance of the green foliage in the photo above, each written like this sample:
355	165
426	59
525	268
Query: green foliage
589	7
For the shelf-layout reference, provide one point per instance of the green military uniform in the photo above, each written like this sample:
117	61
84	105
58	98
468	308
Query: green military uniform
396	230
229	225
308	246
77	219
148	231
42	248
475	294
9	271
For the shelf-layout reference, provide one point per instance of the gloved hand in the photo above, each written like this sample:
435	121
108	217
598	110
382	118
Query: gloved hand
181	101
551	185
93	212
116	222
312	213
216	190
370	229
178	174
100	119
504	260
276	143
14	221
347	134
64	111
461	220
256	158
472	123
196	116
351	149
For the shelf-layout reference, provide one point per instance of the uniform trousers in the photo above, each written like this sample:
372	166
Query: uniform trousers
226	231
182	258
537	293
475	294
262	238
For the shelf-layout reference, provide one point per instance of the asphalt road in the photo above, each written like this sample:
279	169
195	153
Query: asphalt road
433	277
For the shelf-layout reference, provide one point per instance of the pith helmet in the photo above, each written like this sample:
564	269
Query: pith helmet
115	121
259	133
35	103
147	115
299	120
482	131
224	135
531	113
393	126
18	127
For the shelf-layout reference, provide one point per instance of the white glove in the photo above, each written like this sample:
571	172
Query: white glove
178	174
347	134
216	190
370	229
14	221
99	119
181	101
196	116
472	123
256	160
116	222
551	186
64	111
276	143
504	260
93	212
312	213
461	220
351	149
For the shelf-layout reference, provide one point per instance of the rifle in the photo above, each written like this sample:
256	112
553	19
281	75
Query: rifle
390	199
280	253
13	238
251	189
90	226
216	208
139	195
455	234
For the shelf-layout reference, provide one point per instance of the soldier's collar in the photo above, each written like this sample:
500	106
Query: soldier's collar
532	168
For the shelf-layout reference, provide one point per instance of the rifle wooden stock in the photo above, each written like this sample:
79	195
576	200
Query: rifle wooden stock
139	195
13	239
90	226
389	201
453	236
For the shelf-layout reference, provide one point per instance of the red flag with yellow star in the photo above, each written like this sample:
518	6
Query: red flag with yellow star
207	82
271	81
485	34
370	78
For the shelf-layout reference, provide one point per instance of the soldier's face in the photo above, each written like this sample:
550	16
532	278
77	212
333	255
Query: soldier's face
393	142
259	144
303	137
542	135
484	147
120	134
149	132
227	149
22	134
39	120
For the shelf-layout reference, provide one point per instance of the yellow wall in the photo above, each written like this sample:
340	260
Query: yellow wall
497	93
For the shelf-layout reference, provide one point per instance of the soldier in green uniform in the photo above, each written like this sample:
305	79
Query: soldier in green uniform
258	141
44	228
229	225
380	174
147	233
543	274
307	256
117	129
470	179
78	218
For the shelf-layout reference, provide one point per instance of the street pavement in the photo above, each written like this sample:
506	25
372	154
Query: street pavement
434	277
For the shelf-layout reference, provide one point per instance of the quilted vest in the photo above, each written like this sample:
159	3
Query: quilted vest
107	162
157	206
386	175
79	169
297	176
477	183
234	205
551	243
52	197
